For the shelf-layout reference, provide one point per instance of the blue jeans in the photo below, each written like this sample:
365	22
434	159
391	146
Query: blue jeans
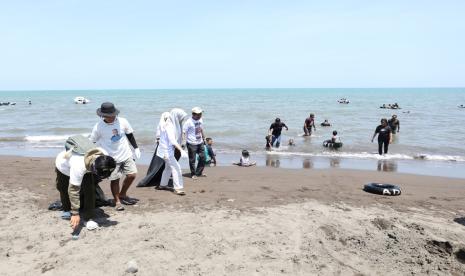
276	139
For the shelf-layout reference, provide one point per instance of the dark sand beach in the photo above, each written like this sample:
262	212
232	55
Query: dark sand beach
240	221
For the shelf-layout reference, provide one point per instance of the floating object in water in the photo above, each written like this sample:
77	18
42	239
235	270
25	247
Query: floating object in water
329	144
81	100
7	103
343	101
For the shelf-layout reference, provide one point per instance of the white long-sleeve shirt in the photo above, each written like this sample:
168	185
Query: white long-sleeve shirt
167	141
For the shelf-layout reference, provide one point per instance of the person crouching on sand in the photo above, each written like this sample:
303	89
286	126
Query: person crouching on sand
76	179
114	134
166	146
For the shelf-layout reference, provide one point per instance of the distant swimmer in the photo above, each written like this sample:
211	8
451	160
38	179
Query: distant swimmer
334	142
291	142
394	124
308	124
461	106
325	123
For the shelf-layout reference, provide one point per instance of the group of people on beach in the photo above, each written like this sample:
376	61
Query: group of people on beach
107	154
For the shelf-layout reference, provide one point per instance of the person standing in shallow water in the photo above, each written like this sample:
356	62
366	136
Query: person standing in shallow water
308	124
275	132
384	136
394	124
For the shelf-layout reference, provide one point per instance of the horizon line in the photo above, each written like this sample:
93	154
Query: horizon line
235	88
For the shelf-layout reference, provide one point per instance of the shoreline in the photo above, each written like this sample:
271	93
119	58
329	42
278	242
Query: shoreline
240	221
451	169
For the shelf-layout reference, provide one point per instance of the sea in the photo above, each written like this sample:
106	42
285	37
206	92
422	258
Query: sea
430	141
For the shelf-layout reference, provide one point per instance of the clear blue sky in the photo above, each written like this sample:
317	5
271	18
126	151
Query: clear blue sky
78	44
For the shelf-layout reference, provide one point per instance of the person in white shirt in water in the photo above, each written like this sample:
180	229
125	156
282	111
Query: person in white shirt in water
194	136
76	178
166	147
114	134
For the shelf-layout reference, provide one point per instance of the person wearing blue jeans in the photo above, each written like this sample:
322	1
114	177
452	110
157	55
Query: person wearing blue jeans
275	132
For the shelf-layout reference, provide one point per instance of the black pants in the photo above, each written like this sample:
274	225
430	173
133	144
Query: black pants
200	150
87	193
382	142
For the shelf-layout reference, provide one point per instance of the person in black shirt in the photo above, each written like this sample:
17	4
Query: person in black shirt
384	136
275	132
394	124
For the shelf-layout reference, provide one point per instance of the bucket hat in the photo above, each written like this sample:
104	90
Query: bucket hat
197	110
107	109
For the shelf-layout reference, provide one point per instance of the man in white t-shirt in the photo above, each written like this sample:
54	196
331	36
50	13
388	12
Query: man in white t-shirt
193	134
76	180
114	134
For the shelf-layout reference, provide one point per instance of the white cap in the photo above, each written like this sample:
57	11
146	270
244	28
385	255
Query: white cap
197	110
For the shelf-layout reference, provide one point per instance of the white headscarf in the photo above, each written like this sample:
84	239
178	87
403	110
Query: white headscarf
165	120
178	117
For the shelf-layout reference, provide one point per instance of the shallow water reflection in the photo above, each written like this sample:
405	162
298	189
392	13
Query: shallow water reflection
387	166
272	162
307	164
334	162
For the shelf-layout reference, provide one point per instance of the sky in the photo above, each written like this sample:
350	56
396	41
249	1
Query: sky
80	44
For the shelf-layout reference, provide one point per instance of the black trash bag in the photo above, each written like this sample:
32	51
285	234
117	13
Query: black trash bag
153	177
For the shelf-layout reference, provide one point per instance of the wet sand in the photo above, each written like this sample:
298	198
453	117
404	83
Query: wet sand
240	221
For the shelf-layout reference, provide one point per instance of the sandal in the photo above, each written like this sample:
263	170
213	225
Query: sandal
179	192
127	200
119	207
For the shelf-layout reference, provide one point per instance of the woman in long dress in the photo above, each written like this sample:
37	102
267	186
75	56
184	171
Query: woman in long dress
157	165
167	144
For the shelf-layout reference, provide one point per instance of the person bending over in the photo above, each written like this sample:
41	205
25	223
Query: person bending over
76	179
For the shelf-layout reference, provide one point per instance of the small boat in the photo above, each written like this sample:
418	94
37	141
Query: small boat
81	100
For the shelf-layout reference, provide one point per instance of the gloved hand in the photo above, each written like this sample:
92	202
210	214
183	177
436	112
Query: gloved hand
184	154
137	153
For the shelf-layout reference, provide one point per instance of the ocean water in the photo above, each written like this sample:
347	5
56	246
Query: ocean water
432	126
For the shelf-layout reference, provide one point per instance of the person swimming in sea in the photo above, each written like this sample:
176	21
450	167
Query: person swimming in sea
334	142
325	123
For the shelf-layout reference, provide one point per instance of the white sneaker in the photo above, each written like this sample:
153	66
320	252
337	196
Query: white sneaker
91	225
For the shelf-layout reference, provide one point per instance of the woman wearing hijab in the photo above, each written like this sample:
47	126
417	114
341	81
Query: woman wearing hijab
154	173
167	144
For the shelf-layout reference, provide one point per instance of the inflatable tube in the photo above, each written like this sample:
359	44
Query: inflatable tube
382	189
328	144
